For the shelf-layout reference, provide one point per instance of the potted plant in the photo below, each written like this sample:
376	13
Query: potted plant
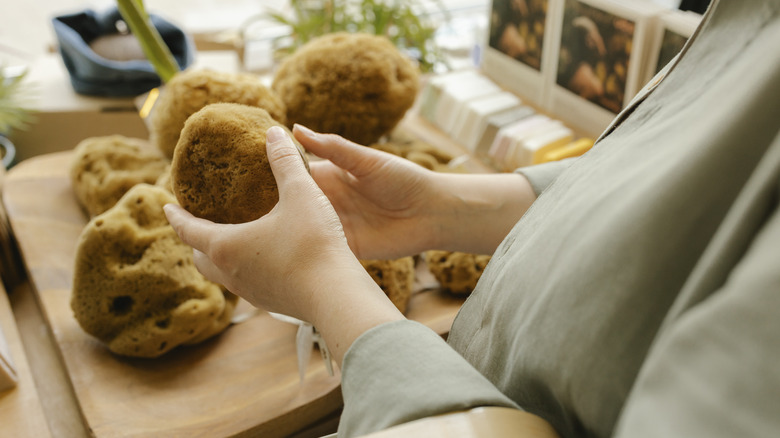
13	115
402	21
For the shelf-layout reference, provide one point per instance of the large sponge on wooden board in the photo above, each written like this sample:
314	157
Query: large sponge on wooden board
191	90
356	85
220	170
103	169
135	286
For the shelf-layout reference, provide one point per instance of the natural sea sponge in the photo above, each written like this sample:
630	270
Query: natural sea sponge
164	181
456	272
220	170
105	168
395	277
352	84
135	286
191	90
425	160
418	152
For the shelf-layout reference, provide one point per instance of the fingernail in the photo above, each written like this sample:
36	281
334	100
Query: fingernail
304	130
169	211
274	134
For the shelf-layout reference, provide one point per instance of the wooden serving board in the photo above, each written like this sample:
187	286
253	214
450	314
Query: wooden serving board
243	382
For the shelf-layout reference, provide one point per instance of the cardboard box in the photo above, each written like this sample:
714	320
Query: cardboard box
63	118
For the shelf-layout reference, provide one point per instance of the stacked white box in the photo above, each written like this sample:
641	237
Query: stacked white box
472	121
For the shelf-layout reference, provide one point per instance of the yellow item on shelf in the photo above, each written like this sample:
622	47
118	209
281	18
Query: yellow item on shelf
574	149
536	148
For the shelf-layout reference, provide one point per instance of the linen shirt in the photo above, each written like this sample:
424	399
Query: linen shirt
640	294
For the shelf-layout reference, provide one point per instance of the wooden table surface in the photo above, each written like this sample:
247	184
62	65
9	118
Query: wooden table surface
21	411
243	382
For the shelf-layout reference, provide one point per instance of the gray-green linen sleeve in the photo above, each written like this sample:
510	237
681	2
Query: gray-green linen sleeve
403	371
714	370
542	175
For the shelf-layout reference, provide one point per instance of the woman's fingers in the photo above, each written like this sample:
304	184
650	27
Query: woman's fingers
193	231
352	157
207	267
197	233
286	162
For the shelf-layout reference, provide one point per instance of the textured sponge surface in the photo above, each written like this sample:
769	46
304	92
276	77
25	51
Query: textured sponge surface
457	272
105	168
220	170
356	85
395	277
191	90
135	286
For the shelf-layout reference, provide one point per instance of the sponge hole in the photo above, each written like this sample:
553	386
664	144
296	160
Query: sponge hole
122	305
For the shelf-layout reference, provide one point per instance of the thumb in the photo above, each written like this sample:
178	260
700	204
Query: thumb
286	161
193	231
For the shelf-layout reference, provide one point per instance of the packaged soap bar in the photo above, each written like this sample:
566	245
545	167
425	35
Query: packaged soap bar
7	370
431	95
535	148
472	121
455	95
521	148
495	123
509	137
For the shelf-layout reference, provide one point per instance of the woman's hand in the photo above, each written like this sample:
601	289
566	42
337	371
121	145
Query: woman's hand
295	260
264	258
386	204
390	207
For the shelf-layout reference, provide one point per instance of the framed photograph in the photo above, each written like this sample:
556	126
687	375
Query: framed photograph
676	27
601	59
518	53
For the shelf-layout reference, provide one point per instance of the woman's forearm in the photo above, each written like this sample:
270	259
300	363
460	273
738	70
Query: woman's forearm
345	302
473	214
477	211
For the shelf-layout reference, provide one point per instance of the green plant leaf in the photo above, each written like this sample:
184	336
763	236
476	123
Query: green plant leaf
13	115
399	20
155	49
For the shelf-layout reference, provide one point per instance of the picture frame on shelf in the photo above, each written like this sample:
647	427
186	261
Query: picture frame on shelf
518	53
600	59
675	28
